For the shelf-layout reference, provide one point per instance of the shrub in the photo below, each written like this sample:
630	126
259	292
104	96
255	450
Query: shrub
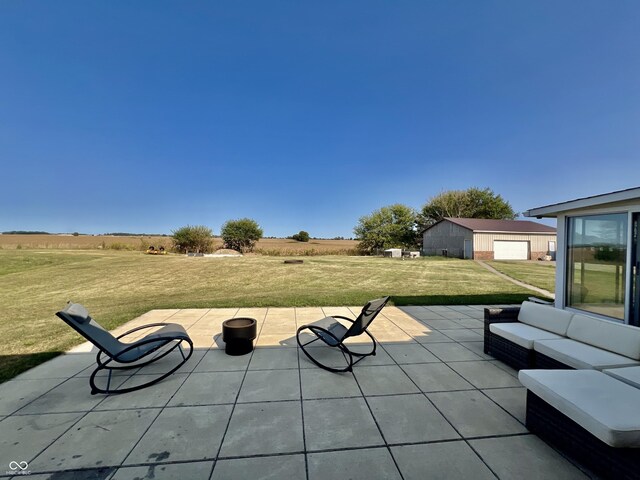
301	236
240	235
196	238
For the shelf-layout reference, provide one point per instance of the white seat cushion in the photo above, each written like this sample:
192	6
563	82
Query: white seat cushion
615	337
602	405
629	375
545	317
580	355
521	334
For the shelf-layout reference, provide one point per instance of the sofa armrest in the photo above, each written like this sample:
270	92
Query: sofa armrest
501	315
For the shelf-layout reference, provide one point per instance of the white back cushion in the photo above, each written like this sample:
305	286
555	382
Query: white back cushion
545	317
615	337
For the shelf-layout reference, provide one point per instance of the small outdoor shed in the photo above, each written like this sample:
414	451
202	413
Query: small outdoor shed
598	264
486	239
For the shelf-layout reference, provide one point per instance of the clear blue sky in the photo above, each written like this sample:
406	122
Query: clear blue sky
146	116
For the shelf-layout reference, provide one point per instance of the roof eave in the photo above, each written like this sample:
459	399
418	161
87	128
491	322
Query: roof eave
552	211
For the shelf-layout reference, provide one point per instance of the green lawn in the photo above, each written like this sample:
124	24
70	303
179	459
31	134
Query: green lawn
118	286
541	275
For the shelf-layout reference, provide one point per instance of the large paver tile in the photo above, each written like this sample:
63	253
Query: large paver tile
410	353
274	358
477	348
183	433
99	439
318	383
218	361
474	415
525	457
103	473
443	324
451	352
363	464
443	461
384	380
261	468
435	377
339	423
264	428
269	385
470	322
74	395
431	337
23	437
513	400
63	366
15	394
175	471
409	419
463	335
156	395
422	313
483	374
208	388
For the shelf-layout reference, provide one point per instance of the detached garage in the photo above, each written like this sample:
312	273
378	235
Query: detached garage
484	239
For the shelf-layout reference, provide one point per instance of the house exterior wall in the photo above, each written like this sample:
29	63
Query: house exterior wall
538	243
445	235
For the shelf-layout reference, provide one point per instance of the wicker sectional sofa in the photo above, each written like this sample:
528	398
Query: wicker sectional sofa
541	336
584	393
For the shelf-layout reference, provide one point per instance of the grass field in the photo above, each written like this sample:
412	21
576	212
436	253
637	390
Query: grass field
541	275
267	246
117	286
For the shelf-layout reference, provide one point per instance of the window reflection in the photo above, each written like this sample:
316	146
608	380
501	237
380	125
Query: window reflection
596	260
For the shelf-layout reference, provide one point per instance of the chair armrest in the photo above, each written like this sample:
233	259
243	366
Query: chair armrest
150	325
343	318
501	315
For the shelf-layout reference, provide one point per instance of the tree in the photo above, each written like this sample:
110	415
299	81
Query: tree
470	203
301	236
392	226
196	238
241	234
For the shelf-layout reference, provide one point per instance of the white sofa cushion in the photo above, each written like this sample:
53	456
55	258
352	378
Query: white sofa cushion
545	317
580	355
521	334
629	375
602	405
615	337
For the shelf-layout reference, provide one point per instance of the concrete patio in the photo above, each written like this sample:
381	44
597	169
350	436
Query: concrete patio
430	404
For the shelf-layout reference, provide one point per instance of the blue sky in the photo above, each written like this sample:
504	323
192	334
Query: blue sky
147	116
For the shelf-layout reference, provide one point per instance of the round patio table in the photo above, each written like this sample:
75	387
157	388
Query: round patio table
238	335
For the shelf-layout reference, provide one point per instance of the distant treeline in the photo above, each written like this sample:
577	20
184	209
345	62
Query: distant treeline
24	232
125	234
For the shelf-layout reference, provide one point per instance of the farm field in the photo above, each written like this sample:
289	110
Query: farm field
267	246
117	286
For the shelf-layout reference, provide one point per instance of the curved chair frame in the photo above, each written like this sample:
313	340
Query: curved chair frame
112	350
104	365
346	353
330	339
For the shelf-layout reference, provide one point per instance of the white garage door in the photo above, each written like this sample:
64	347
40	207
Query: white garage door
506	250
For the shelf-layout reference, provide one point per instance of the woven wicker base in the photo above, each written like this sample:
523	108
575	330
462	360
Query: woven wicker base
560	431
547	363
512	354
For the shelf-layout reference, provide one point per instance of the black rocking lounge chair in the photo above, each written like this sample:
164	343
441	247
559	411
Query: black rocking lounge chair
335	334
126	355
